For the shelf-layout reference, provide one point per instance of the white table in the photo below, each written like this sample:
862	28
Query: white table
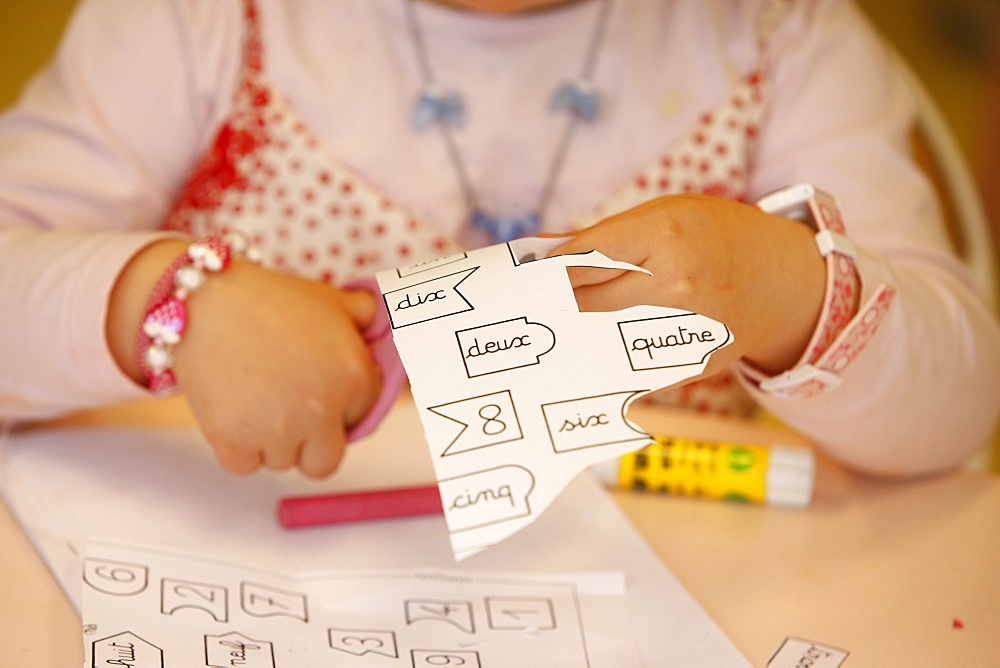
897	573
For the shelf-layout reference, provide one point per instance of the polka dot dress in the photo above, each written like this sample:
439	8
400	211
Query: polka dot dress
267	175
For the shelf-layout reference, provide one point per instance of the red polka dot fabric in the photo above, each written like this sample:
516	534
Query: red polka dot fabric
267	175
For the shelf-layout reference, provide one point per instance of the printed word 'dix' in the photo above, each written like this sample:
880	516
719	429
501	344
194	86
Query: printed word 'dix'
429	300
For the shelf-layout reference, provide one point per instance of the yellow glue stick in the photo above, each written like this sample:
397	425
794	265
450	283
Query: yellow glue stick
779	475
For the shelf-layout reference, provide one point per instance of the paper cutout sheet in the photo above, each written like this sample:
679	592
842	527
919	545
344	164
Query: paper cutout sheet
146	606
517	390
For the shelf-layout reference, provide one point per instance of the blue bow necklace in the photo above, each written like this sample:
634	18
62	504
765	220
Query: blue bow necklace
445	109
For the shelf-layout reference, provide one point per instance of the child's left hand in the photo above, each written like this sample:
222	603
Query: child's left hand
759	274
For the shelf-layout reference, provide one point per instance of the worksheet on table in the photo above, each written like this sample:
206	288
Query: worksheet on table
147	607
161	487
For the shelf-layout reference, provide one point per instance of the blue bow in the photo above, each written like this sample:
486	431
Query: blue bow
434	106
579	97
506	228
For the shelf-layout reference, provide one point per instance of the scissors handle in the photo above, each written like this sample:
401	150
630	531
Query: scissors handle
378	336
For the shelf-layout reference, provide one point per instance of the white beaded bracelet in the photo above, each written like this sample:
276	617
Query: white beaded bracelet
165	319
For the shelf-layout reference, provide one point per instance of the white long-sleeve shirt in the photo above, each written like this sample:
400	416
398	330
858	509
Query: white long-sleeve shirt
97	149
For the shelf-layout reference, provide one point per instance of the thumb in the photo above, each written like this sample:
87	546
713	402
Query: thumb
359	305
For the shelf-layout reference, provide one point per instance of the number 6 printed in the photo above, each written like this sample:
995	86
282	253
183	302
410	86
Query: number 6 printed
433	658
117	578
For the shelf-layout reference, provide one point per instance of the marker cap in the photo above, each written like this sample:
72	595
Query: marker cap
790	475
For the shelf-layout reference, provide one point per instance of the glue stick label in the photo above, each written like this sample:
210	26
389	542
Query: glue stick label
727	471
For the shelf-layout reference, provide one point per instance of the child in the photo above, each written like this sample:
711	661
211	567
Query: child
343	138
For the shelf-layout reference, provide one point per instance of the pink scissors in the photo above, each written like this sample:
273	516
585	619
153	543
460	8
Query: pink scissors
378	336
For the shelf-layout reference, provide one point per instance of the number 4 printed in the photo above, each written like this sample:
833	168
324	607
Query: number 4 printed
457	613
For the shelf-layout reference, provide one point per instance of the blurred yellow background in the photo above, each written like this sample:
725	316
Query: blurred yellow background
947	42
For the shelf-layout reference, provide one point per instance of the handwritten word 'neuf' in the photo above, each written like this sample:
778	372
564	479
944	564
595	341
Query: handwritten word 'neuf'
238	650
235	649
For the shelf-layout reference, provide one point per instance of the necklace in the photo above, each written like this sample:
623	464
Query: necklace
578	98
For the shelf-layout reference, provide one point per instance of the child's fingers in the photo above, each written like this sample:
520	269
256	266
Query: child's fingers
603	238
236	460
584	276
613	295
321	454
282	458
359	305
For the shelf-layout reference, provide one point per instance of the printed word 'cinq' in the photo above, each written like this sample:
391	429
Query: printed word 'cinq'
468	499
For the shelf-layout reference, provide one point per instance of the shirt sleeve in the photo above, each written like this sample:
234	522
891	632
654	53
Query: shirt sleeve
924	393
90	159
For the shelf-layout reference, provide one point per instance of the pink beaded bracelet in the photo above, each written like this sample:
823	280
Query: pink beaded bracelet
165	319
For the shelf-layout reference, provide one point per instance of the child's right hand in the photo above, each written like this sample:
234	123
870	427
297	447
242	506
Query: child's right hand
274	366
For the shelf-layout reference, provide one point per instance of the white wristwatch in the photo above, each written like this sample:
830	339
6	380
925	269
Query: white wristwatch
842	331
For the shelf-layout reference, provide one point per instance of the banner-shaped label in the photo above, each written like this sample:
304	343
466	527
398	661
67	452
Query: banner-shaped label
435	298
486	420
591	422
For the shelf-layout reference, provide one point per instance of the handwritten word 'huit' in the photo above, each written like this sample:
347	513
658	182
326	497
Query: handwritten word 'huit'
125	654
126	649
681	338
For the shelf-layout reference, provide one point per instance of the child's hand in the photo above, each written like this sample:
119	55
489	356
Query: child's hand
274	367
760	275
